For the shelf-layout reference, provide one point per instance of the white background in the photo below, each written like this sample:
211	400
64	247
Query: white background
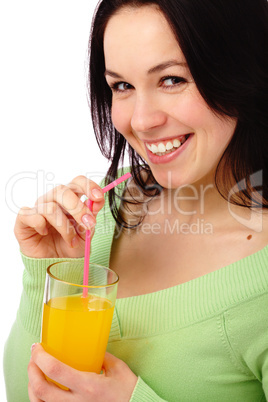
45	123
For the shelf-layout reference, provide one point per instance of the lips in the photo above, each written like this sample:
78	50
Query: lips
165	151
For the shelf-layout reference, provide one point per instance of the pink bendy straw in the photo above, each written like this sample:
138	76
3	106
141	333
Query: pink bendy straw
87	241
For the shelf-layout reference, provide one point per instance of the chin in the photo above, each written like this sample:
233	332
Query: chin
170	180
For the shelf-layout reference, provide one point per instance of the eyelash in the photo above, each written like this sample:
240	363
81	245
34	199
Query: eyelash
172	77
114	86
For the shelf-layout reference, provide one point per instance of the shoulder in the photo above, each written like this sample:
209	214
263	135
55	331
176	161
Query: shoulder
246	327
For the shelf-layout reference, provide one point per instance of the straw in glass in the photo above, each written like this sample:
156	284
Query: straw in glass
88	240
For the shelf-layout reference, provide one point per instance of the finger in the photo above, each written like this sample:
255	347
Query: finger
118	371
80	186
40	218
32	397
53	214
40	389
84	186
54	369
69	201
110	362
30	218
114	367
80	230
87	187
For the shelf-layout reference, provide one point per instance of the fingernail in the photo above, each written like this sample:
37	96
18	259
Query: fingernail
75	242
97	193
33	346
88	221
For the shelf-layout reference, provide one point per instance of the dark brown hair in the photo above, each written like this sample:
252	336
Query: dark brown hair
225	44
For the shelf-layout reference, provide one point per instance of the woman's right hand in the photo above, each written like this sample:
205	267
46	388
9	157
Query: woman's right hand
56	226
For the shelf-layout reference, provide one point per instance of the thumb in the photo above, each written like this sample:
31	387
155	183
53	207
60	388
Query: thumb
111	364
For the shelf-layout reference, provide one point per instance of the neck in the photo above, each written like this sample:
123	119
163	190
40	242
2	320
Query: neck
196	199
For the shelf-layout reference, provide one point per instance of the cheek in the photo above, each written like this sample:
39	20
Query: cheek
121	118
195	113
226	130
190	109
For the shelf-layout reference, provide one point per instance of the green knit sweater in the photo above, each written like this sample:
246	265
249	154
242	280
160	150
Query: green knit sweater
204	340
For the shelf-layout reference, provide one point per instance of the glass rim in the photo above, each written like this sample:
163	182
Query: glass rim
79	285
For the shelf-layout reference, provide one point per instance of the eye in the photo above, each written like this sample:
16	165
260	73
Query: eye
172	81
120	86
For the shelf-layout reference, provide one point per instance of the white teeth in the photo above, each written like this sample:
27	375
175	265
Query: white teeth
176	143
154	148
169	146
162	148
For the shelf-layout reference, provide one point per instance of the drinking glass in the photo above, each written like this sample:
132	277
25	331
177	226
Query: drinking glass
76	322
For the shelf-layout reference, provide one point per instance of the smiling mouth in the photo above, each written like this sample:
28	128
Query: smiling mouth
166	147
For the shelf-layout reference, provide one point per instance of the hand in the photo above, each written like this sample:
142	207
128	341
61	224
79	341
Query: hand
56	225
116	384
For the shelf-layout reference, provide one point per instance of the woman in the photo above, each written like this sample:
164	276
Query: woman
182	86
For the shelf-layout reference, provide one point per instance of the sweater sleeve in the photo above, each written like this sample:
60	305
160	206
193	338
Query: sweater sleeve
142	392
26	328
247	331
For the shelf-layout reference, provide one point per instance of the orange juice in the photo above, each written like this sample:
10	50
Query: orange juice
76	329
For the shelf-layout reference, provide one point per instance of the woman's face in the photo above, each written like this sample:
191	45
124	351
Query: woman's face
156	105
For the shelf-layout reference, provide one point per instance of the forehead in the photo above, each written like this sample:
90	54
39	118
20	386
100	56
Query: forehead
139	34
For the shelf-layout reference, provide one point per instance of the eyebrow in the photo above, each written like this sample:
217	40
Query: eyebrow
163	66
155	69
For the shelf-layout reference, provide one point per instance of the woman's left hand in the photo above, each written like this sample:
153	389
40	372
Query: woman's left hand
116	383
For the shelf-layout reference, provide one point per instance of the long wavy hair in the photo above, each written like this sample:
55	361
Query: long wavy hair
225	43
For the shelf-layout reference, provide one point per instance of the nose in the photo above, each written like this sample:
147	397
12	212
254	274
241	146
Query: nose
147	114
